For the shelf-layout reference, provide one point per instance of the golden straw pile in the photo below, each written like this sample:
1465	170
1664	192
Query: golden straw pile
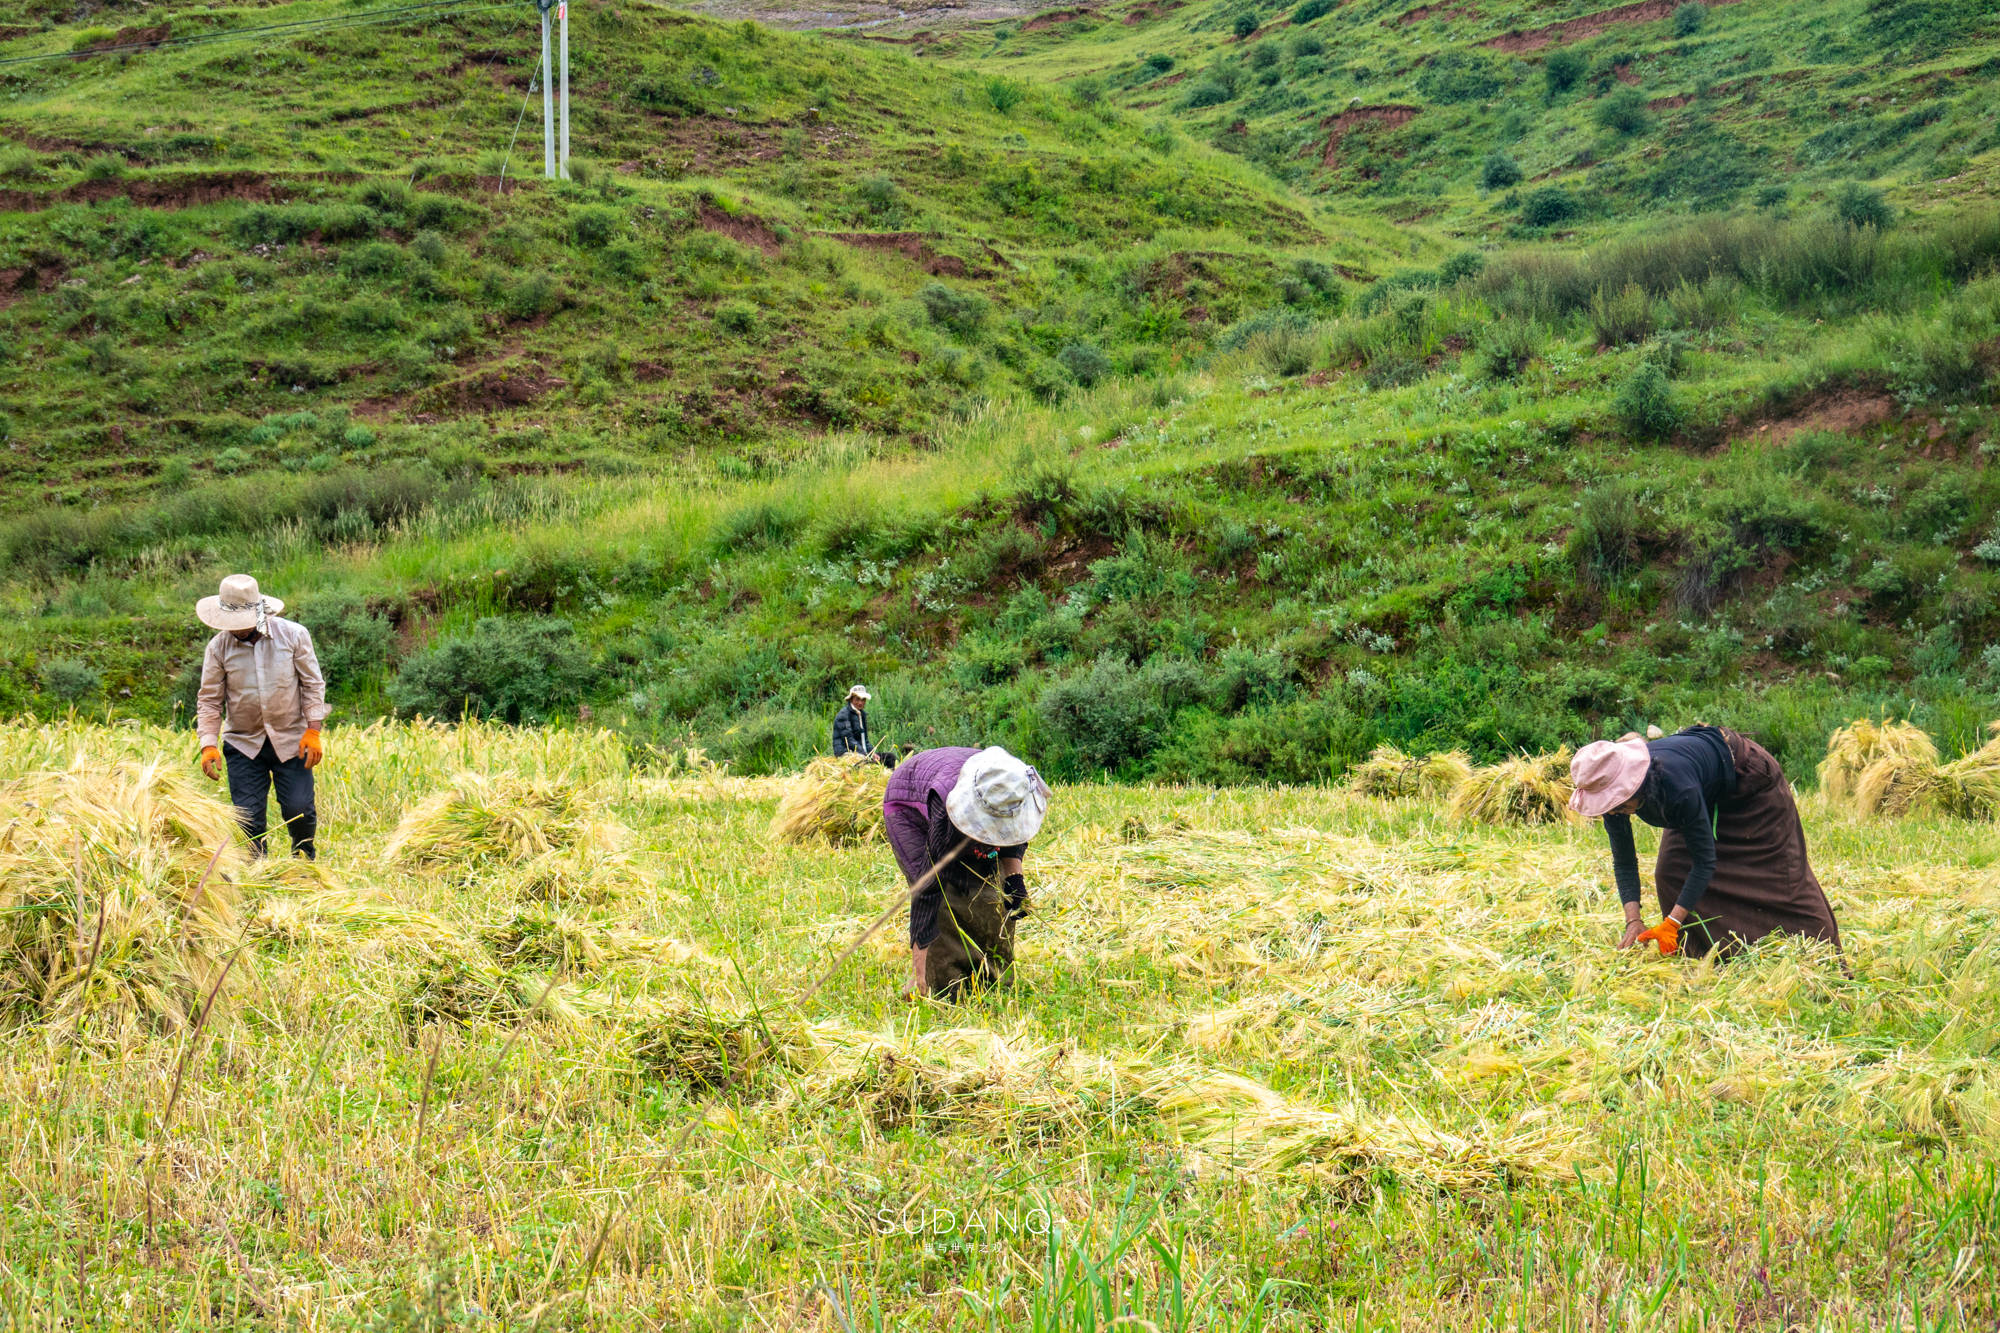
1527	789
115	892
1892	769
478	822
1390	774
837	801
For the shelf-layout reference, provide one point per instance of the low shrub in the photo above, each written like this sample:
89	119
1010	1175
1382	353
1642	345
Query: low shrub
1622	317
1499	171
1548	206
70	680
352	639
1085	362
1645	403
1563	70
513	669
958	312
1507	347
1310	11
1625	112
1861	205
594	228
1689	17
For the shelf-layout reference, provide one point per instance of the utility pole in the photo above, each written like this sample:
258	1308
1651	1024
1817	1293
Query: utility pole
562	17
548	98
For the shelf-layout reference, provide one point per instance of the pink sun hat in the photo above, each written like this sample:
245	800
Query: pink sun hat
1607	774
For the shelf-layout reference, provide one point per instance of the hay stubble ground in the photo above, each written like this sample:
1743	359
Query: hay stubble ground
1281	1058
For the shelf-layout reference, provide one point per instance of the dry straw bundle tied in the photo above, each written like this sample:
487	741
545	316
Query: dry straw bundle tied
136	846
1390	774
1899	747
1903	777
547	829
1522	790
836	800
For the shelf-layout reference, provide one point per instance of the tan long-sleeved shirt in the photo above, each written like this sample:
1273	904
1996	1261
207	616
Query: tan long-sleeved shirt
270	690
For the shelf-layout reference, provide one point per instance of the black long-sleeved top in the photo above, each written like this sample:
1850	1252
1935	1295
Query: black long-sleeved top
850	730
1690	775
967	874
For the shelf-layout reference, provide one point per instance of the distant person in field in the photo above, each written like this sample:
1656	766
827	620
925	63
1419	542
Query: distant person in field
1732	866
259	711
850	724
972	812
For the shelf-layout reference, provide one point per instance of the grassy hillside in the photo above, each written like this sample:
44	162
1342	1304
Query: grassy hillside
293	252
1062	430
1514	118
1273	1060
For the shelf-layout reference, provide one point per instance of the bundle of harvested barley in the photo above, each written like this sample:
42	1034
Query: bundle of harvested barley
466	988
337	916
480	820
836	800
136	846
1522	790
1906	779
1971	785
704	1050
1392	775
548	829
1860	745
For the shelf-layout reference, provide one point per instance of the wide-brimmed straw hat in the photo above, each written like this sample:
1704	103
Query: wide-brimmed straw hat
239	606
998	800
1607	774
860	692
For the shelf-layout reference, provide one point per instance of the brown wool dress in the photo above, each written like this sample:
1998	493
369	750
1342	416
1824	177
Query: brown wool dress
1763	881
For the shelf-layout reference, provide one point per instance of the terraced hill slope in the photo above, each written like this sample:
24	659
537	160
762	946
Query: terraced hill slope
942	362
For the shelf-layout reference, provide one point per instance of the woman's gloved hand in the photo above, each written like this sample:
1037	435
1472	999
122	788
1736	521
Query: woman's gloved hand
1667	935
1015	892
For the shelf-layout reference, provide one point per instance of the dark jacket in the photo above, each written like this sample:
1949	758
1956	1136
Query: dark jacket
850	731
1691	775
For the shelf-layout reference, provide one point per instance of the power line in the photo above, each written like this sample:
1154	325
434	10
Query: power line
300	28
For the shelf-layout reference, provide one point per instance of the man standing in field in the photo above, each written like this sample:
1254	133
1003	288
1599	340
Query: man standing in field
262	672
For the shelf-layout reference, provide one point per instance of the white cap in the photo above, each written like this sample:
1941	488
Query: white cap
998	800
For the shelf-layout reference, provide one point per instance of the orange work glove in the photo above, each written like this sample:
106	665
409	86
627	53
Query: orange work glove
211	762
311	749
1667	935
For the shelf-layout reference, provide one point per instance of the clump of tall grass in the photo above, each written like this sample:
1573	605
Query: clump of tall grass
479	820
115	893
1527	789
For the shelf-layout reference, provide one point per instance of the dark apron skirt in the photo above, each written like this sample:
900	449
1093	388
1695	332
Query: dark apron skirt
1763	882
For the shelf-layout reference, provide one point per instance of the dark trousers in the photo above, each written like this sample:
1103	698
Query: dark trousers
250	783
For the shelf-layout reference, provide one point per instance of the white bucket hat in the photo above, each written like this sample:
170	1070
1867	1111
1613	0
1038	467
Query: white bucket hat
998	800
860	692
240	605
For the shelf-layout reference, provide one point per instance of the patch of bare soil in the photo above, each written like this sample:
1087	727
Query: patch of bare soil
1845	409
152	36
16	283
1587	25
513	384
184	191
1150	10
1049	18
1338	127
912	245
743	228
1442	12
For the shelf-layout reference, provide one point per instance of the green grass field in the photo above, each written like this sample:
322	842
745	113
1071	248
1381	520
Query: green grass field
1273	1059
